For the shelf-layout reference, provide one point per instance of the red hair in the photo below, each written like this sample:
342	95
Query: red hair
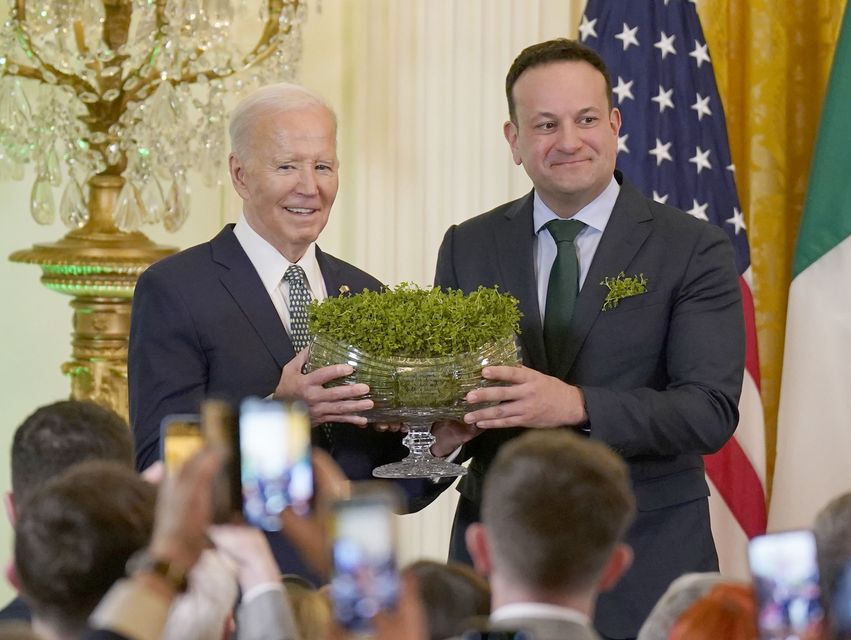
727	611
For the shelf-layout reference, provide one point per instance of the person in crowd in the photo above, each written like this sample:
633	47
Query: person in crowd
832	529
48	442
74	537
555	510
632	330
727	610
677	598
452	594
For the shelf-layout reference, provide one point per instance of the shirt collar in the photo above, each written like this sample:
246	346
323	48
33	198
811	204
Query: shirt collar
538	610
595	214
271	265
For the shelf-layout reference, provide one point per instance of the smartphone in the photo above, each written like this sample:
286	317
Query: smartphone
274	460
366	576
785	577
218	428
840	605
180	439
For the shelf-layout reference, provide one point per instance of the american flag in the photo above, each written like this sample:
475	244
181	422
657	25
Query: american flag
673	146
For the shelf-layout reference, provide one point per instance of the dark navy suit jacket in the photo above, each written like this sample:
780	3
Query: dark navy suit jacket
661	372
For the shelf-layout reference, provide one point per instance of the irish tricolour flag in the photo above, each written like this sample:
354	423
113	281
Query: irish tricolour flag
814	431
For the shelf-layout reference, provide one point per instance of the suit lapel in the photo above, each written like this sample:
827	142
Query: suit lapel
514	245
330	274
627	229
245	287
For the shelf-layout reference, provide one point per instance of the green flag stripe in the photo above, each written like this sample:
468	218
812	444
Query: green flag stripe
827	210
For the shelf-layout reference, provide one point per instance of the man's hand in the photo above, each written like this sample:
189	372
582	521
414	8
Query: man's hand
337	404
450	435
184	510
250	552
531	399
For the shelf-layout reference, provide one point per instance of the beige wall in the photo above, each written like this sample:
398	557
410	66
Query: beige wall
418	88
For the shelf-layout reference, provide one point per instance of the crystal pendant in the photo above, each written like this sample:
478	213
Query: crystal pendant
176	205
41	201
153	200
128	213
54	173
72	206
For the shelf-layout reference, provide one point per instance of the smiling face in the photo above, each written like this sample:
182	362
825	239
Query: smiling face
288	181
565	136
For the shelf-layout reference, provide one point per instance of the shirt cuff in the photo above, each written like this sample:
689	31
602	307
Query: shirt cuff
133	610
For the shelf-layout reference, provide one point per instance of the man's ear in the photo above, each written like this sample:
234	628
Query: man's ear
11	511
509	130
236	169
478	544
617	565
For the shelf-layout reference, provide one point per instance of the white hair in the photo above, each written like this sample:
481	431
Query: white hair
201	612
680	595
265	101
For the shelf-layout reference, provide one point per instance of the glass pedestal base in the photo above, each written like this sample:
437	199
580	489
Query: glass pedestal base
420	463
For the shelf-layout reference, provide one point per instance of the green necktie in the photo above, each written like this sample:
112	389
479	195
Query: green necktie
562	289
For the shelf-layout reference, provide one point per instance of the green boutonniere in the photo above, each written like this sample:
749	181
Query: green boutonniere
622	286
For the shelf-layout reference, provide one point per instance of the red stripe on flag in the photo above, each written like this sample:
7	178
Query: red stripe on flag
739	485
751	350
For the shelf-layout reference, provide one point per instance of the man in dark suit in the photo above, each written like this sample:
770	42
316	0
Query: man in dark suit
216	320
651	364
549	548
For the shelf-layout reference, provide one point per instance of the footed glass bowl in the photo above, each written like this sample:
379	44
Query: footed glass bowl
416	391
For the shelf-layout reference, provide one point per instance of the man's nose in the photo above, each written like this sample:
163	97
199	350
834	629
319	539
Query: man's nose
569	139
307	184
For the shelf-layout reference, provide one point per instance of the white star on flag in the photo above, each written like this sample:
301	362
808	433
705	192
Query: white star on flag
661	151
701	159
627	36
663	99
701	105
698	210
623	90
700	52
666	44
738	220
661	199
622	143
586	28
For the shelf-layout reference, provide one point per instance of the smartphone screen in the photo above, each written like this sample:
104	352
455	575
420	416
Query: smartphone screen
218	426
785	577
498	634
366	577
275	468
180	439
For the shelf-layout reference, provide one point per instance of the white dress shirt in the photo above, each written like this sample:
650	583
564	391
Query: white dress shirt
271	267
538	610
595	215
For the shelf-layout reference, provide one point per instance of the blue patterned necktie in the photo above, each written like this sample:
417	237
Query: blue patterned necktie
299	298
562	289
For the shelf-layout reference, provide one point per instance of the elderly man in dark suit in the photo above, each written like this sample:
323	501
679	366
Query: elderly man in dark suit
633	329
226	318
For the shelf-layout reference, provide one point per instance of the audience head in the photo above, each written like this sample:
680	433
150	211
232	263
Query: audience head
74	536
451	593
726	611
311	608
283	164
204	612
62	434
832	529
521	543
679	596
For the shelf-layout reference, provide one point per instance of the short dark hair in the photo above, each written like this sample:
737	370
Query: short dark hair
74	536
558	50
451	594
62	434
555	506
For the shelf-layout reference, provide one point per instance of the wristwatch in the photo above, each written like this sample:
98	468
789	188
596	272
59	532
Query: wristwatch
174	575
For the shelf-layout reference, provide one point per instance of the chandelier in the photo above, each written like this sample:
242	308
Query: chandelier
112	102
